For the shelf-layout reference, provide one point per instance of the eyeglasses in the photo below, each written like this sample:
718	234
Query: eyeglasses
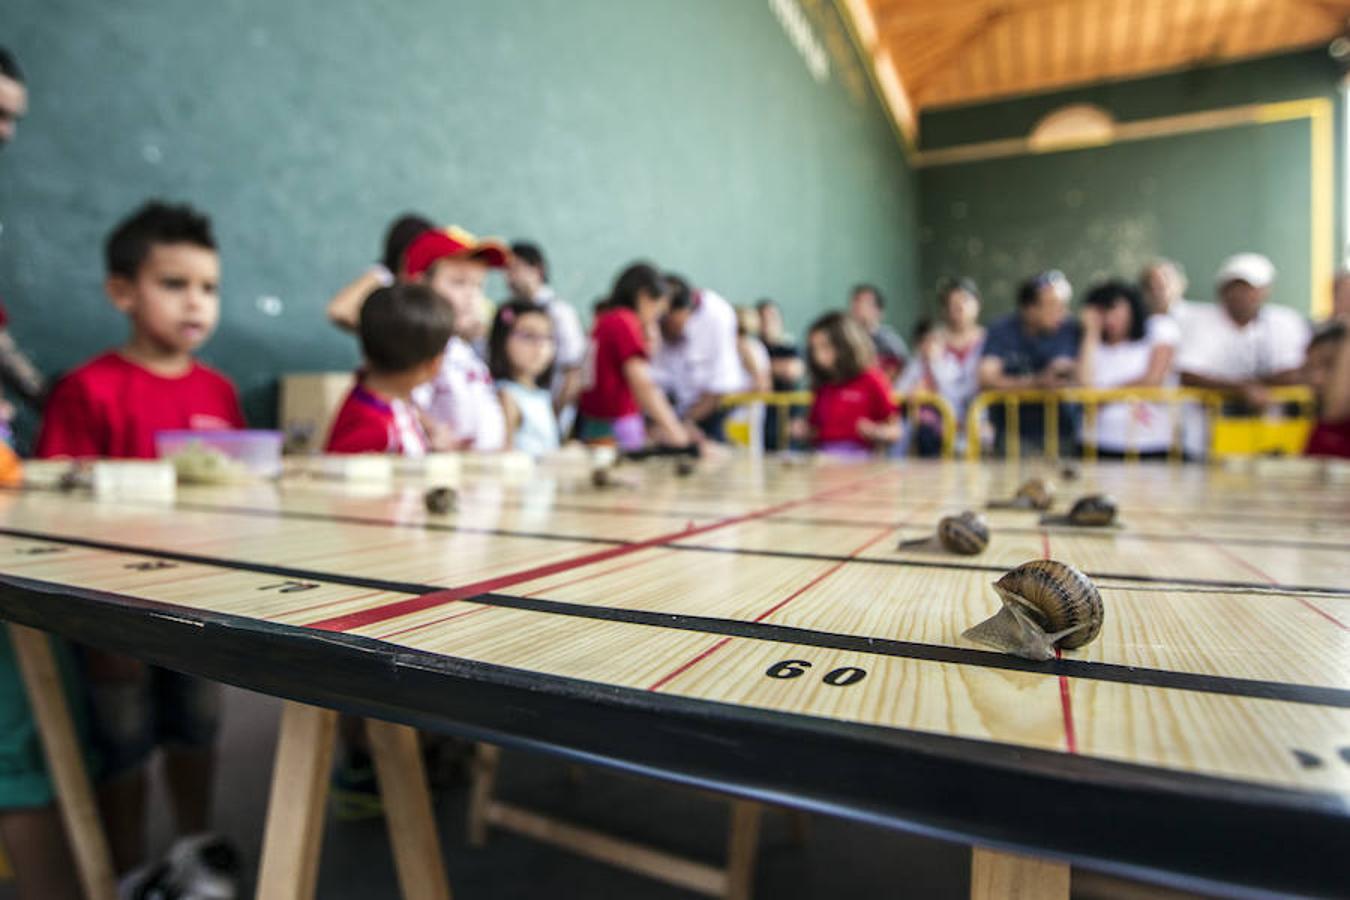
531	337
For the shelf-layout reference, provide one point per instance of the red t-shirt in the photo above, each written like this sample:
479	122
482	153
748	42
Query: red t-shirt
837	408
368	424
616	338
112	407
1329	439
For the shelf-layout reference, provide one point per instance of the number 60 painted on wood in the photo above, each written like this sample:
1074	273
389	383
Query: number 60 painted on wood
795	668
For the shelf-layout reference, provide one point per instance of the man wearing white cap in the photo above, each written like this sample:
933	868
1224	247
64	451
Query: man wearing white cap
1242	343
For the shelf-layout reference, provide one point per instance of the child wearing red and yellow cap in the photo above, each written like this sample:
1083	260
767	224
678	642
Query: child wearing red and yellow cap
461	401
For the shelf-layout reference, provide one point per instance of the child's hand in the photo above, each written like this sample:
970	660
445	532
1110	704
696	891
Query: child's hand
1091	319
867	429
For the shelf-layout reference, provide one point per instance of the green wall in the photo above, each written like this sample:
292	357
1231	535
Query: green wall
687	131
1104	211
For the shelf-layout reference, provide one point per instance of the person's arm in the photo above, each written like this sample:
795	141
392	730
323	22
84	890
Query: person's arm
570	392
787	368
71	425
1252	392
344	310
992	378
1088	344
1335	406
571	353
18	372
1159	364
887	432
511	415
652	401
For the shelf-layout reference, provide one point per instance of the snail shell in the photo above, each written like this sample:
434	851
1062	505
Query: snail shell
440	500
966	534
1035	493
600	476
1094	509
1046	604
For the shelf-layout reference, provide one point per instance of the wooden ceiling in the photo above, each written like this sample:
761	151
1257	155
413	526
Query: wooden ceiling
958	51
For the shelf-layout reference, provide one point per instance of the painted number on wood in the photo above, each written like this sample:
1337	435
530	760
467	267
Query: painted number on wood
150	565
795	668
289	587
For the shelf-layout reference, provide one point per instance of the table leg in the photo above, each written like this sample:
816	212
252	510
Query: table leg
995	875
407	810
74	794
742	844
482	780
295	808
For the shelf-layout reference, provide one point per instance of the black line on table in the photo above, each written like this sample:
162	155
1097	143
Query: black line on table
737	551
785	634
1271	690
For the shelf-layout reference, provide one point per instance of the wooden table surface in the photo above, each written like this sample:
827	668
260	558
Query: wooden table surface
753	629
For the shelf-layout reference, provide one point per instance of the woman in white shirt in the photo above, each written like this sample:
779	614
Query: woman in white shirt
1123	346
947	361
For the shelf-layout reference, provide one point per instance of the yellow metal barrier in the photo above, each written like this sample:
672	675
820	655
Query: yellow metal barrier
1230	436
783	401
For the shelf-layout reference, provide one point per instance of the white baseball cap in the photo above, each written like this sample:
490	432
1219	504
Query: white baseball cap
1253	268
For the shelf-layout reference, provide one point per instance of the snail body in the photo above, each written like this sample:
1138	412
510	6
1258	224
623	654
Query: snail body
1034	493
1046	604
440	500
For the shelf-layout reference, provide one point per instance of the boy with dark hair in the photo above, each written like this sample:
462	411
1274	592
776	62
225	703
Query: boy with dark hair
162	273
404	332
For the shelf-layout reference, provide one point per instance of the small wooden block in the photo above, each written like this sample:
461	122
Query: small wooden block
365	467
438	468
134	479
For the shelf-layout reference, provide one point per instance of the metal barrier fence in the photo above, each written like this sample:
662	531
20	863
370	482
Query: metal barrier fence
784	401
1266	431
1269	430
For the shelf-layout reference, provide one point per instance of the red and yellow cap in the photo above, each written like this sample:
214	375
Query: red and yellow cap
451	242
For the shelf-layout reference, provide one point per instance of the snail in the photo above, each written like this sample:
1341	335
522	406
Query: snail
440	500
684	467
966	534
1046	604
1034	493
1094	510
1069	472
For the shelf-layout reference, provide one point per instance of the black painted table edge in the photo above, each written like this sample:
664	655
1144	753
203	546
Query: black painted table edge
1191	831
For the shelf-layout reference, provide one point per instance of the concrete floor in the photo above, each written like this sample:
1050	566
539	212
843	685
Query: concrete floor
839	858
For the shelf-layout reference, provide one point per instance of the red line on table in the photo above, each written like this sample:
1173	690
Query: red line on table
669	676
660	682
1259	573
394	610
1065	698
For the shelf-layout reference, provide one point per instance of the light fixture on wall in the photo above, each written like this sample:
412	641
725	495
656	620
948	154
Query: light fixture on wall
1075	125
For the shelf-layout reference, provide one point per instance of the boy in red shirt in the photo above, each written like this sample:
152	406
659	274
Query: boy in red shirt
162	273
404	331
